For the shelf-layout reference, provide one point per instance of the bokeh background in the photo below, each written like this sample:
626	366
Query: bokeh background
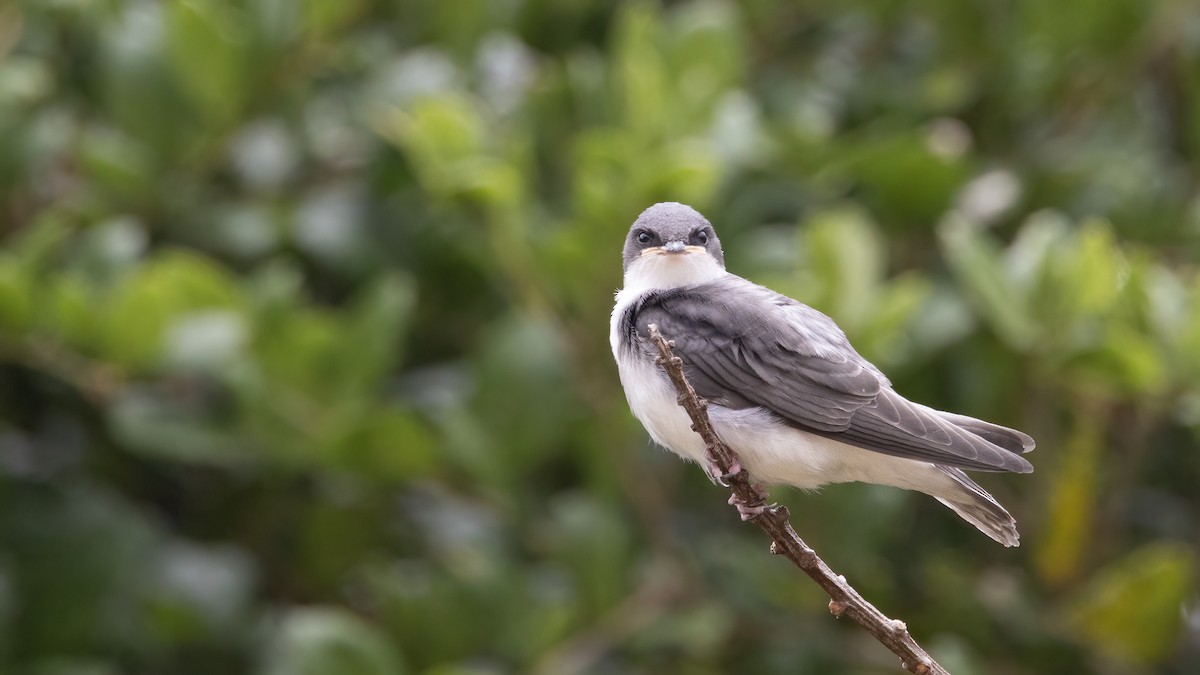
304	360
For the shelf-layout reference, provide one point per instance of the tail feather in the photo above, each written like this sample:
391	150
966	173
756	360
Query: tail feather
974	505
1010	439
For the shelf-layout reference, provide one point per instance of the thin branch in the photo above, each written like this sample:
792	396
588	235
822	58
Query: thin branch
773	519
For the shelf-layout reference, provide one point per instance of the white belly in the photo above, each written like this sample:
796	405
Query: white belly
772	452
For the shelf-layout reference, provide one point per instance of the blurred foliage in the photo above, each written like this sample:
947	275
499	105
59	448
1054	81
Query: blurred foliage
303	329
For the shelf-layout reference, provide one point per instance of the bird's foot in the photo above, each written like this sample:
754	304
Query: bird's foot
753	510
719	477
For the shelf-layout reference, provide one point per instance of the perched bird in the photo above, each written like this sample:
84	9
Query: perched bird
786	391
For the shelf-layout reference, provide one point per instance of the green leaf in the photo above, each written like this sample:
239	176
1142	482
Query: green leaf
84	549
704	50
592	540
151	299
1132	610
328	641
39	244
21	268
73	313
885	334
1037	242
689	171
15	301
845	263
523	395
1066	534
1126	362
903	178
393	443
117	162
1081	277
147	422
297	347
322	17
374	330
1093	276
976	262
641	78
208	53
440	133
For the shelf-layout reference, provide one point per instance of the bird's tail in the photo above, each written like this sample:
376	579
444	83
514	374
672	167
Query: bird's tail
974	505
1010	439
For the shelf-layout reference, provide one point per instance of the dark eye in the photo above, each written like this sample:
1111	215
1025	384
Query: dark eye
644	237
702	237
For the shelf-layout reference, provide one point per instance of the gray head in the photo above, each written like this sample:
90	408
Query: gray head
671	227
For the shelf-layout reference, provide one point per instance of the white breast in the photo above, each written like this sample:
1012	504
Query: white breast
651	396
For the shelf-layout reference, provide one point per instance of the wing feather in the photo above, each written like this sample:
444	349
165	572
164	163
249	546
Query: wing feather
744	345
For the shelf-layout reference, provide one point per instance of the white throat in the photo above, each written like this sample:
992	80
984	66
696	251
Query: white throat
655	271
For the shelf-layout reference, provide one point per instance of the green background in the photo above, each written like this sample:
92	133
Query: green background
304	360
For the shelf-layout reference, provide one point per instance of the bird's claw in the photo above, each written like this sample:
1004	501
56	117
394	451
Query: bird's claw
722	478
752	511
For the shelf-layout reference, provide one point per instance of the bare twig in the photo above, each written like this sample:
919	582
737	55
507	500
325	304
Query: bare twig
773	519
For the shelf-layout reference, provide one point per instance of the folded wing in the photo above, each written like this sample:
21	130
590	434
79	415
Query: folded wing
744	345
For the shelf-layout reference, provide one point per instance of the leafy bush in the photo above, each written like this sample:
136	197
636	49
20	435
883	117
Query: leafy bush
303	329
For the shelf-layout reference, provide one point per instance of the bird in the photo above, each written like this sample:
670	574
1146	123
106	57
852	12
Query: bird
783	385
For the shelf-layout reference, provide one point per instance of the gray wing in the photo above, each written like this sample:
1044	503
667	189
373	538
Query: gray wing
744	345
